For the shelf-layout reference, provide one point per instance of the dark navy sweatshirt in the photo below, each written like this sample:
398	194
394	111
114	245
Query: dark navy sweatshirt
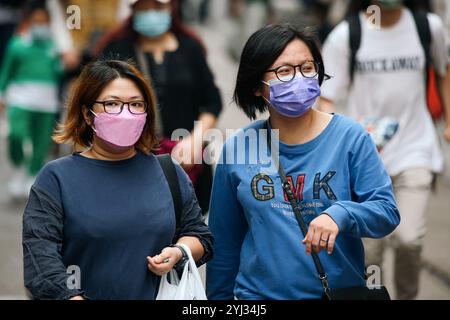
90	224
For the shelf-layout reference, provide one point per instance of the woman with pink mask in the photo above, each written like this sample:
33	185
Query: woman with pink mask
102	223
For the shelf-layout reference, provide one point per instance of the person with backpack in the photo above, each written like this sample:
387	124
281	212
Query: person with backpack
107	221
383	72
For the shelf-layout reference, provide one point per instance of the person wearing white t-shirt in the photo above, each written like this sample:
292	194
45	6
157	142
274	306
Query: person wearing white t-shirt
388	81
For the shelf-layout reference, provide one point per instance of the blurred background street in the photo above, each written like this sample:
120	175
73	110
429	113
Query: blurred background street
216	31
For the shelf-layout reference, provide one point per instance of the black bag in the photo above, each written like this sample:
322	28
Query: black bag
358	293
353	293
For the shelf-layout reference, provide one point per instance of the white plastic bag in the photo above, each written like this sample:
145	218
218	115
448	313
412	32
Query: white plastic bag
189	287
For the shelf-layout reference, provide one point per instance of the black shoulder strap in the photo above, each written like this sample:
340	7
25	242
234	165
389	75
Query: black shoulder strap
298	215
168	167
354	24
424	31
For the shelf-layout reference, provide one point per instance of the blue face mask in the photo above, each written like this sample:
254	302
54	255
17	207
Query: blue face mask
294	98
40	33
152	23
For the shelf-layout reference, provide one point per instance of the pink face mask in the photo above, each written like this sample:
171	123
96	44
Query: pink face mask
122	130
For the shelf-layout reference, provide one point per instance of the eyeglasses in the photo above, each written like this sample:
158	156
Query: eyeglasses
308	69
116	106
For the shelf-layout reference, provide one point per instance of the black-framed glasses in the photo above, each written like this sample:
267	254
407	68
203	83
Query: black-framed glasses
285	73
116	106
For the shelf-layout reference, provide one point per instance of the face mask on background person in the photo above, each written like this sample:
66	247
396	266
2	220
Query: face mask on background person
294	98
122	130
40	32
152	23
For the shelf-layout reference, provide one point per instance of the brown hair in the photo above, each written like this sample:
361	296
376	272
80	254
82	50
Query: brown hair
93	79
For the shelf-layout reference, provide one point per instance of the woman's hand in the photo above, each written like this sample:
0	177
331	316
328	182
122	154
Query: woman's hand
188	151
184	153
321	234
165	261
77	298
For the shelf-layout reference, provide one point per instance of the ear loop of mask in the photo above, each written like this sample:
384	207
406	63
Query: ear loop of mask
267	84
92	126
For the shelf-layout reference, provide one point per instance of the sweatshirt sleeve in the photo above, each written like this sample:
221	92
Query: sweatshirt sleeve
373	212
192	222
229	226
45	275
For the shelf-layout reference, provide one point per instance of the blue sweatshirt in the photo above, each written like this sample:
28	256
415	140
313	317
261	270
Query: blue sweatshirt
258	243
105	217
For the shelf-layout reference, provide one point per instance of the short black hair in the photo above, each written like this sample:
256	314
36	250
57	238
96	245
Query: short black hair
260	52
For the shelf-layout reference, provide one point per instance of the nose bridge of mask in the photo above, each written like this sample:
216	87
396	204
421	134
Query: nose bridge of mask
125	113
275	81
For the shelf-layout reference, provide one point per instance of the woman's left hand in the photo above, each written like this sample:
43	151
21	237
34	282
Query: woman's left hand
188	152
321	234
165	261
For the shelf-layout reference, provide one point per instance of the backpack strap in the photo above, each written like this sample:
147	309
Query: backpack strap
424	31
168	167
354	24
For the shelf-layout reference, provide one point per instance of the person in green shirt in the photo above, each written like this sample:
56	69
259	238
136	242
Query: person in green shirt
29	79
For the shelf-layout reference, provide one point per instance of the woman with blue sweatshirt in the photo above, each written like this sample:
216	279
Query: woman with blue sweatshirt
332	166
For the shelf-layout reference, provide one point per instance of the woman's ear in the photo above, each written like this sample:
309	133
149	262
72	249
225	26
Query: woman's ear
87	115
259	91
